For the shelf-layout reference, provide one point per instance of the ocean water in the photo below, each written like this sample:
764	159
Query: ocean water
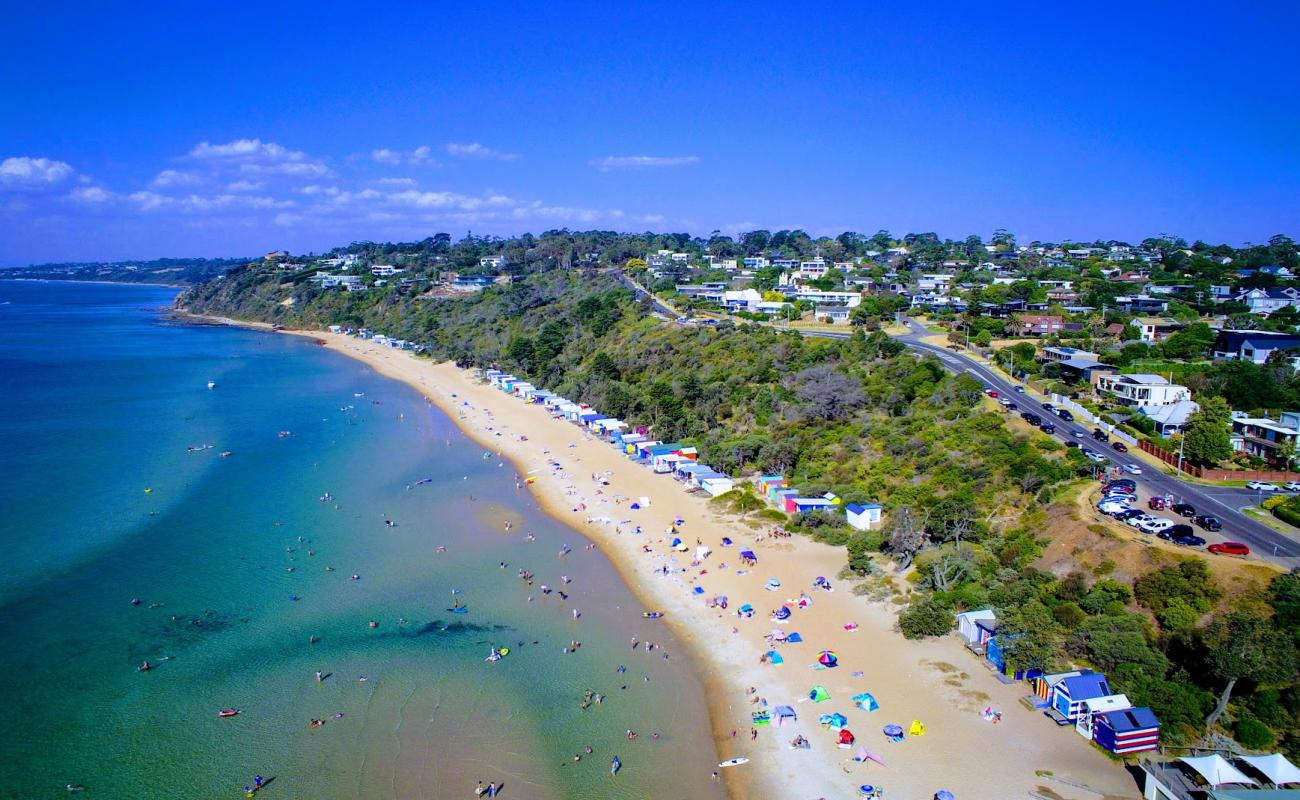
115	490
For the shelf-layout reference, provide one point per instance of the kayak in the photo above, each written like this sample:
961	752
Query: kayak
733	762
652	614
228	712
459	610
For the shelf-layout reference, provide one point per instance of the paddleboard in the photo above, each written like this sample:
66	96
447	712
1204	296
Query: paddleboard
461	610
733	762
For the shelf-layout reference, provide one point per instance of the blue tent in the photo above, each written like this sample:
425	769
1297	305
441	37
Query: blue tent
775	657
782	613
836	720
866	702
794	638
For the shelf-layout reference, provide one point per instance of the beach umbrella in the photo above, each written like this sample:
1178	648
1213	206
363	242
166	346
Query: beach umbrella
944	794
828	659
893	731
746	609
726	542
865	701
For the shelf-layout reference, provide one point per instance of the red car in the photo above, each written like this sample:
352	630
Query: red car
1157	503
993	393
1229	549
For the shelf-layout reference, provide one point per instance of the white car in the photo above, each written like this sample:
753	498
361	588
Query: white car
1112	508
1077	434
1133	469
1126	499
1020	390
1138	522
1006	403
1261	486
1292	486
1156	525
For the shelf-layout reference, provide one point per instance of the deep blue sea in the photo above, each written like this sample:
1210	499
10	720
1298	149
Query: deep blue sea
129	537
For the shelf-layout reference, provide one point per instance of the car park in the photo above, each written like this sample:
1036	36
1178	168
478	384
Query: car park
1133	469
1292	486
1183	510
1189	541
1261	486
1119	446
1157	503
1229	549
1065	415
1208	523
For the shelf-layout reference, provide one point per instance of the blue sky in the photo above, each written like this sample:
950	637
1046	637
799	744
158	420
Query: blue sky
190	129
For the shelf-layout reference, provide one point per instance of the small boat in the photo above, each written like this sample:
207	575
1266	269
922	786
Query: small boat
225	454
459	610
212	384
615	766
228	712
733	762
652	614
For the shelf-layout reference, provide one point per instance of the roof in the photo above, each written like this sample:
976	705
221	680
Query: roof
1217	770
1234	339
1083	363
1145	378
1254	794
858	508
1172	414
1130	719
1084	687
1275	767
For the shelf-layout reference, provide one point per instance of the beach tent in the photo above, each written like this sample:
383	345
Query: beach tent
944	794
1276	768
828	659
784	714
773	584
774	657
702	552
748	555
782	613
917	728
818	694
865	702
746	610
778	635
1217	770
846	738
794	638
835	721
726	541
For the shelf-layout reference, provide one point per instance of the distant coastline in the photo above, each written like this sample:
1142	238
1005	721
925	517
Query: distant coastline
47	279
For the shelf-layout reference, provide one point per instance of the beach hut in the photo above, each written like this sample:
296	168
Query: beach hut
1044	685
776	495
1127	730
818	694
784	714
1086	722
766	482
804	505
866	702
862	515
716	485
1069	695
970	631
689	453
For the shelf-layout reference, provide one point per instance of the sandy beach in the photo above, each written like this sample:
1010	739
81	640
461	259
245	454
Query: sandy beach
590	485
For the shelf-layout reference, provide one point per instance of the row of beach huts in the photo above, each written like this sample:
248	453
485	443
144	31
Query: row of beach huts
1079	698
680	461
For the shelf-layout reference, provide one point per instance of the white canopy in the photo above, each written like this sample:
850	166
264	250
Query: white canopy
1278	769
1217	770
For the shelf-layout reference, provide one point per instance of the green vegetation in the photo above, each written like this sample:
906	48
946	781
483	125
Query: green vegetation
172	271
968	500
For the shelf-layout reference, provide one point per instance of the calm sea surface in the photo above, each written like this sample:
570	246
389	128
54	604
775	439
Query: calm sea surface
115	490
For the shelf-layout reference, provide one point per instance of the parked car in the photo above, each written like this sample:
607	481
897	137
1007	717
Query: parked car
1208	523
1119	446
1020	390
1132	513
1065	415
1292	486
1071	443
1140	520
1156	525
1183	510
1127	483
1229	549
992	393
1176	532
1261	486
1189	541
1112	507
1100	435
1133	469
1157	503
1119	497
1049	428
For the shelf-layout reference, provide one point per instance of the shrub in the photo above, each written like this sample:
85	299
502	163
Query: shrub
928	618
1252	734
1273	502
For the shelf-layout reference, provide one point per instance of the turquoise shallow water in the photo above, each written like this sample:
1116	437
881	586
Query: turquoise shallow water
103	399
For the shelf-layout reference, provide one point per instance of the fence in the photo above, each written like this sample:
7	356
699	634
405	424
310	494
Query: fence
1217	474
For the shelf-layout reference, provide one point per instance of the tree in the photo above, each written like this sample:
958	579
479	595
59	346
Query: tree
1207	435
1194	341
1029	636
904	535
926	618
1131	333
1243	646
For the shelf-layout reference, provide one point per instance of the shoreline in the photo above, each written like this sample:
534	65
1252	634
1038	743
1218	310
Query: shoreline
181	286
935	681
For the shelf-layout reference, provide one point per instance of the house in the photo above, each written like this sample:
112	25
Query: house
1069	695
1093	707
862	515
1172	417
836	314
754	262
1155	329
1142	304
1059	354
1062	295
493	262
814	269
351	283
935	283
968	627
1270	439
1267	301
1142	390
1254	346
1282	273
1127	730
1034	325
385	270
850	299
1084	369
742	300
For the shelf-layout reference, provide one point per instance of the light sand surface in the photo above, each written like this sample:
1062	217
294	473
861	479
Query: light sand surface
935	681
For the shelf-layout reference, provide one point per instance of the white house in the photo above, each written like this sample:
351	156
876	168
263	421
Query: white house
862	515
1266	301
493	262
816	268
1172	417
1143	390
742	300
384	270
836	314
1270	439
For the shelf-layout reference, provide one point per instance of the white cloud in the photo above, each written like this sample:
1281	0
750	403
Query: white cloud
150	201
396	182
476	150
22	172
247	149
421	156
641	162
287	220
245	186
385	156
175	177
92	195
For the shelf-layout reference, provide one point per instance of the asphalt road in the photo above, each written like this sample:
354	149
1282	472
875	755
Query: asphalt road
1222	502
